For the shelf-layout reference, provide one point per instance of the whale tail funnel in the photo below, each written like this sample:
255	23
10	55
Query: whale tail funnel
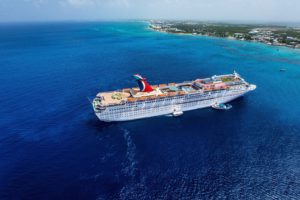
144	86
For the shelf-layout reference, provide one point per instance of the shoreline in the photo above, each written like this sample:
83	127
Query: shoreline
150	26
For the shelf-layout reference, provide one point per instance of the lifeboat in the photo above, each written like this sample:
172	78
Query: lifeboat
162	95
172	94
152	97
181	93
130	99
142	98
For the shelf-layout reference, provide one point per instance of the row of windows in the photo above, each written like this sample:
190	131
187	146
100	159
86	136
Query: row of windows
135	112
148	111
145	106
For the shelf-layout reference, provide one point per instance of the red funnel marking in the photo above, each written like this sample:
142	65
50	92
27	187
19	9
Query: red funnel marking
144	86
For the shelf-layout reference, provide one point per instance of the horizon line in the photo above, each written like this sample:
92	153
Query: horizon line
258	22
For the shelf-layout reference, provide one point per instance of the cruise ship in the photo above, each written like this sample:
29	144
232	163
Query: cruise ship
168	99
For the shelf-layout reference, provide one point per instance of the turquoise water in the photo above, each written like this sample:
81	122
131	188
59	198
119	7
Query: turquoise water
53	147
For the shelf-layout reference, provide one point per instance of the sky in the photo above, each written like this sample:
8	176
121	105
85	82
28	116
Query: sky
214	10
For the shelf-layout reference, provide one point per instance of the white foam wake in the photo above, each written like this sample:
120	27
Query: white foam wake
135	188
130	165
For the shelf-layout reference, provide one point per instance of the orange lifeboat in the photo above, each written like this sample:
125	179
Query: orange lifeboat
162	95
152	97
142	98
130	99
172	94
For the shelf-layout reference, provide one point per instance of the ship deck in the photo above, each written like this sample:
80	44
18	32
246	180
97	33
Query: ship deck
221	82
111	98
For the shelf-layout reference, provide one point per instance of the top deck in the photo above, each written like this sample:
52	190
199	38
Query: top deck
221	82
111	98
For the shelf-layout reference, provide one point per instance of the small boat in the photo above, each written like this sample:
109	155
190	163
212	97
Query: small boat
282	70
177	112
221	106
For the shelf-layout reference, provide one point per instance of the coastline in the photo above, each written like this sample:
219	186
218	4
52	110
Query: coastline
151	26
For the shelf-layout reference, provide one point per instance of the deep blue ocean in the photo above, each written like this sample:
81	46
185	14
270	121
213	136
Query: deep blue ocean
52	146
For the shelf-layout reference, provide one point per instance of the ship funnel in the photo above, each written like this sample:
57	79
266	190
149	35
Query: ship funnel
144	86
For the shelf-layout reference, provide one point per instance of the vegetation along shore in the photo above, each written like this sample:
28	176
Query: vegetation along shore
269	34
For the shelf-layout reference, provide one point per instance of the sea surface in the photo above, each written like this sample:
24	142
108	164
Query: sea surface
52	146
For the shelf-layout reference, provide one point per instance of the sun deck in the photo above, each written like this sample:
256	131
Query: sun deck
111	98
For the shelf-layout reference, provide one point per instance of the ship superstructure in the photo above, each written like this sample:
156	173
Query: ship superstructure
165	99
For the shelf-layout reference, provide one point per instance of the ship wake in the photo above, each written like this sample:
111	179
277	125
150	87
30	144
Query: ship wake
134	187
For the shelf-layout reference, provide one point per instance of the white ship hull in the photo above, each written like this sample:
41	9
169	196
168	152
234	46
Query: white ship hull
133	111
